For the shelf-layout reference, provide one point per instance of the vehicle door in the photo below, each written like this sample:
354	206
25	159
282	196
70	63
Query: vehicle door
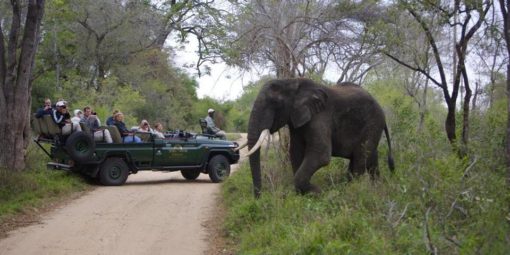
177	152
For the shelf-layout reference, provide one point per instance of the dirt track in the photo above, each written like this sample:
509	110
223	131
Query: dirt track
153	213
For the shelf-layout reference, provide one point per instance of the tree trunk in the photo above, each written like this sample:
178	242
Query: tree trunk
450	125
508	121
465	118
16	86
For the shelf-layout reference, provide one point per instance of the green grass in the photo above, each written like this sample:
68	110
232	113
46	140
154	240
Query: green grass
434	200
233	136
36	186
366	217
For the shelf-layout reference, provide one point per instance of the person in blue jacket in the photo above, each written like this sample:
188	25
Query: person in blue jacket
125	133
45	110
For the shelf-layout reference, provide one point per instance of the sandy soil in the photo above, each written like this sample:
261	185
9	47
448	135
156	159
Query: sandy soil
153	213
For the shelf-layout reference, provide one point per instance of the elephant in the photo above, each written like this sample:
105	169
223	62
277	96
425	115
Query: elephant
341	121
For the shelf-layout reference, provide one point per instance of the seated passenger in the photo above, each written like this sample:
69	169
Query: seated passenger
144	127
110	121
63	119
127	136
158	130
212	127
93	123
45	110
78	115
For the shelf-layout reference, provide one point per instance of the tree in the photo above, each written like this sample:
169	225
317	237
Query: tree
489	47
505	12
16	64
300	38
468	17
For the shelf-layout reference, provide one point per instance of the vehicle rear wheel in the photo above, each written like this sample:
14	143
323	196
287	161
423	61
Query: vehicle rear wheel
190	174
113	172
218	168
80	146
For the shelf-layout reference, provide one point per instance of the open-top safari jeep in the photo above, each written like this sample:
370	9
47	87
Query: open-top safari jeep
111	163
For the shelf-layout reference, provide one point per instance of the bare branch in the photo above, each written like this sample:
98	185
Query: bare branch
431	248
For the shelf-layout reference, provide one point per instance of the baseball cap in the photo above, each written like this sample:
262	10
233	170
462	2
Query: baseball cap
77	111
60	103
210	110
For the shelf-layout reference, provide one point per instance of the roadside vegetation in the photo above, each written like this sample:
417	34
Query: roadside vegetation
36	187
435	201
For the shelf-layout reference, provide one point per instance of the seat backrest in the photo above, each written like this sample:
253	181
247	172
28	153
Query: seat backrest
53	128
114	132
145	137
205	129
85	128
44	128
203	125
36	125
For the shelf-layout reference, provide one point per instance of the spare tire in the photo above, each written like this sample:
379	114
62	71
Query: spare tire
80	146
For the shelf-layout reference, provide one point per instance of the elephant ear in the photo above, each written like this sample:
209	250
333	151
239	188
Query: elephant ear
307	103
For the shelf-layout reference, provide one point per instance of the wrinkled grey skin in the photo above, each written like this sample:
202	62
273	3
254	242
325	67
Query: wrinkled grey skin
341	121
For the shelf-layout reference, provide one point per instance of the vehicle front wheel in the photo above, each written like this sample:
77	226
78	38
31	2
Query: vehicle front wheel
190	174
113	172
218	168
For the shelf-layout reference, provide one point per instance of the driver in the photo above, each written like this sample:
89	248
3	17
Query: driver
211	126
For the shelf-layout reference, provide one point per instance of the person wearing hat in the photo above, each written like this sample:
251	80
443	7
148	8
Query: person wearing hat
63	119
211	126
78	114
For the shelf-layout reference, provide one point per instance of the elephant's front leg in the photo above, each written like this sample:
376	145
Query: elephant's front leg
296	151
317	154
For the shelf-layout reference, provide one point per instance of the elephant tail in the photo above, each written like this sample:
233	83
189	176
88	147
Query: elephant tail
391	163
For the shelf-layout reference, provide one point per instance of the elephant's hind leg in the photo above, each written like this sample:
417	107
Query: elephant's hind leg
364	160
373	165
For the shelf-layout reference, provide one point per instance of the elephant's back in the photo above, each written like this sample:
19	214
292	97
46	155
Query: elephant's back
356	117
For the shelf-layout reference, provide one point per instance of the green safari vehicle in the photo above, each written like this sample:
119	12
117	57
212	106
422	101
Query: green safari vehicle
111	163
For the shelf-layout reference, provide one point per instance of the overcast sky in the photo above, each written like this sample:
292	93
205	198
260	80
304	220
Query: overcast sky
224	83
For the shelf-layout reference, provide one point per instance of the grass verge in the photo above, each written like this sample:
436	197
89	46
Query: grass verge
432	204
26	193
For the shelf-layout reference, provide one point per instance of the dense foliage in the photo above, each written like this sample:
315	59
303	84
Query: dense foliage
435	202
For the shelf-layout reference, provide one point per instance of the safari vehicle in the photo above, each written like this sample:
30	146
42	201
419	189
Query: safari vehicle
111	163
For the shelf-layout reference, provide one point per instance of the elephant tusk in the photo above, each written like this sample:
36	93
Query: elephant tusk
262	136
241	146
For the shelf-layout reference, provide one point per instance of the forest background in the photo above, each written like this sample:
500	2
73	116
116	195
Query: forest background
439	69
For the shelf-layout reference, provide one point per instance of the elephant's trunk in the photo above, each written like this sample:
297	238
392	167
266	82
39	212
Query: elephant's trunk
255	173
260	119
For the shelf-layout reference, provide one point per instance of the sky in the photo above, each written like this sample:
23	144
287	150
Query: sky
224	83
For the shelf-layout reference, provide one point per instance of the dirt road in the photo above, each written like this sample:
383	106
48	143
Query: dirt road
153	213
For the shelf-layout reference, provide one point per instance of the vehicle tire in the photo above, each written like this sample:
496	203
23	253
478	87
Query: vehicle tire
218	168
190	174
80	147
113	172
